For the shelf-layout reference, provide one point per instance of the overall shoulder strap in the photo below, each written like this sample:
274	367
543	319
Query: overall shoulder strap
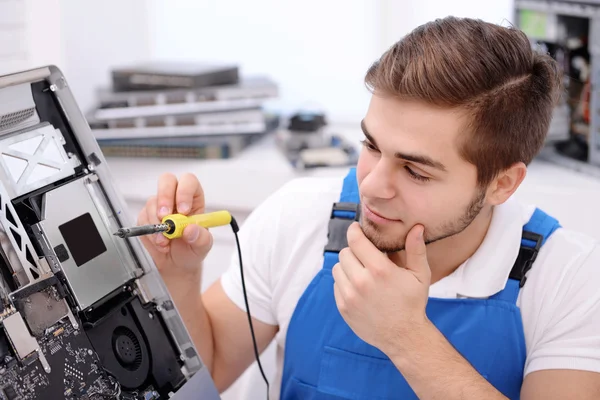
350	188
535	233
343	213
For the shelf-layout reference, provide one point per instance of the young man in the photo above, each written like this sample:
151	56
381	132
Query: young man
446	287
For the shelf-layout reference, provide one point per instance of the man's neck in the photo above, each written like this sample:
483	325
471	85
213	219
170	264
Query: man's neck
446	255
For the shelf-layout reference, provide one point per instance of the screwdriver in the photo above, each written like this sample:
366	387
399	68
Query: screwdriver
172	225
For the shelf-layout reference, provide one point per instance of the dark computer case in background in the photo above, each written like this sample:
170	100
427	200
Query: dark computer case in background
555	25
169	75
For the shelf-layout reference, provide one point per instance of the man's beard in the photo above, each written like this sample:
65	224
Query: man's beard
447	229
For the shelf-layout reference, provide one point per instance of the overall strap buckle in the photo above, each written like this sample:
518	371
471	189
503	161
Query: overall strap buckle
343	214
526	257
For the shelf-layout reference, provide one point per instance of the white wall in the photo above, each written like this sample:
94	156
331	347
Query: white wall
45	40
83	38
403	15
30	35
317	50
98	35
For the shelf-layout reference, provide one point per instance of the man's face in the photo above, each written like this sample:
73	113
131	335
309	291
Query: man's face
410	172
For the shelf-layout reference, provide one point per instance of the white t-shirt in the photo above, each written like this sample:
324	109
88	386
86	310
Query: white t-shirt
282	248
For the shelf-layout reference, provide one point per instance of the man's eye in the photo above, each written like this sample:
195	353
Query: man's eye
416	176
368	145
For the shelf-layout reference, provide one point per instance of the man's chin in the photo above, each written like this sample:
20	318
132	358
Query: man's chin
389	248
381	239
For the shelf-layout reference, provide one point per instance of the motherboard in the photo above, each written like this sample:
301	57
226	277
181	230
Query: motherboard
75	370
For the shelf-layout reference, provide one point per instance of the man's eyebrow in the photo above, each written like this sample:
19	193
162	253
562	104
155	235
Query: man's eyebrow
370	138
419	159
416	158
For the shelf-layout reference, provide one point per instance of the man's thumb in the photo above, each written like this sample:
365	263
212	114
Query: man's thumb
191	233
416	253
199	239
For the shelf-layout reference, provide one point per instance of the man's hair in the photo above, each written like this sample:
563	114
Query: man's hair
507	88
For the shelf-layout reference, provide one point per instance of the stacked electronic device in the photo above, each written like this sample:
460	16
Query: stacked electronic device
182	110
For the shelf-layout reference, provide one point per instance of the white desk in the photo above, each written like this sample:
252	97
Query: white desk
238	184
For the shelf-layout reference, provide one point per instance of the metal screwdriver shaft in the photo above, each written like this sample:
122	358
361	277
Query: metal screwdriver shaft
141	230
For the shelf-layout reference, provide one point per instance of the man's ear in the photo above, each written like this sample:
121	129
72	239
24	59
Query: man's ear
506	183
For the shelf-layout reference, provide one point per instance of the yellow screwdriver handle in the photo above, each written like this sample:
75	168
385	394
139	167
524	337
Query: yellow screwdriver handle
178	222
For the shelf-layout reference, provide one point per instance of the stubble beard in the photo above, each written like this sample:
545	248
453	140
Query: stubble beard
447	229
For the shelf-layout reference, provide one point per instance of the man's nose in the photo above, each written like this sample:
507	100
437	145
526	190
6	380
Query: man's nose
380	181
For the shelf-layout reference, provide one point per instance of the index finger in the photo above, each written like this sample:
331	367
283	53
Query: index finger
369	255
165	198
189	196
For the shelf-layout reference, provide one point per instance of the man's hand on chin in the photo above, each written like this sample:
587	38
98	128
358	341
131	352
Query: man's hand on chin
384	303
379	300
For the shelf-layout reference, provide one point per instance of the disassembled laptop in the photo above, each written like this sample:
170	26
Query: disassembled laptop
84	314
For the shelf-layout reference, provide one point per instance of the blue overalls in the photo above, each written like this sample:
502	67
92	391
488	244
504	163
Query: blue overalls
324	359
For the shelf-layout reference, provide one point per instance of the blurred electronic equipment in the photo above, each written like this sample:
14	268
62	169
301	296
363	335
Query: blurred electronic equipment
307	143
306	130
569	30
249	93
83	314
170	74
203	121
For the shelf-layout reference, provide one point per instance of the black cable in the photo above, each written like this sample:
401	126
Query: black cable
235	228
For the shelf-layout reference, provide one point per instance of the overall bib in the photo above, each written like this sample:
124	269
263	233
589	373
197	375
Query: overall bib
324	359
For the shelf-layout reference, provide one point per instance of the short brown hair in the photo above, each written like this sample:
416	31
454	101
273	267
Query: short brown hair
508	89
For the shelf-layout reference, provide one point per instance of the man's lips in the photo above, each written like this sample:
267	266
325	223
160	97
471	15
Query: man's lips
376	217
